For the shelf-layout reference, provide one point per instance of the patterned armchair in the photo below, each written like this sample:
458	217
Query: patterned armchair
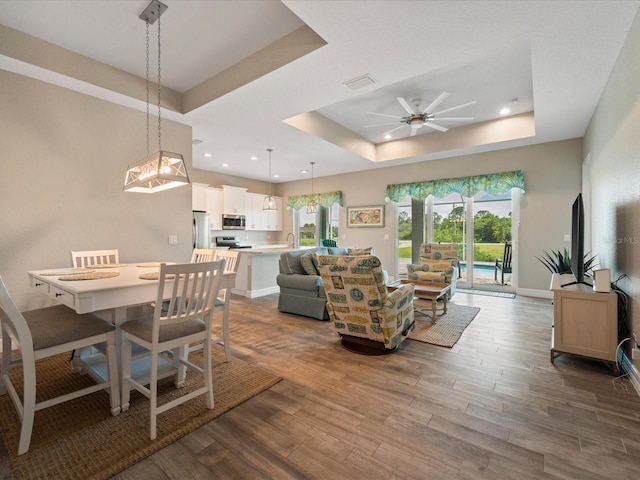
438	263
369	319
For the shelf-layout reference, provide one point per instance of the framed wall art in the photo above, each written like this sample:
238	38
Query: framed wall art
370	216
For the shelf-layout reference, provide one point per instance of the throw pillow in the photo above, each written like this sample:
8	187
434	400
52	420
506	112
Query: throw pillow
308	264
361	251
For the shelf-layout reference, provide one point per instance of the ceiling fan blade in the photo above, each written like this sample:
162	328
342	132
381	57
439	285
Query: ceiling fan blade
465	119
406	106
435	126
384	115
455	108
394	129
380	124
436	102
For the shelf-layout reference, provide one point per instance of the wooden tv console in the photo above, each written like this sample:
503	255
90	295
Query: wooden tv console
585	322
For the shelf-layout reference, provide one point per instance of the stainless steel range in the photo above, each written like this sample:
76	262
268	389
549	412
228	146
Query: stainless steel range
230	241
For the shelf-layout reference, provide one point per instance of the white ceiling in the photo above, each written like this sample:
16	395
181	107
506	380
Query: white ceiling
554	57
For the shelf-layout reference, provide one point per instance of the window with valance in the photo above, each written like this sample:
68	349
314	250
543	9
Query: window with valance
323	199
492	183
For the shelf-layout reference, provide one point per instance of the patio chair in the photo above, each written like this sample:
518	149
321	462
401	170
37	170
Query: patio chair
503	264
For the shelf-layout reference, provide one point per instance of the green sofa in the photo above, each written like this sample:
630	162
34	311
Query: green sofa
301	290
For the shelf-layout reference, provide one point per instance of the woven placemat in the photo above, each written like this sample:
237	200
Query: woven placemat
153	264
152	276
80	439
89	276
67	271
108	265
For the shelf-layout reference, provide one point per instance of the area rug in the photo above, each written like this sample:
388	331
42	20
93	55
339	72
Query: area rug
448	327
486	293
81	440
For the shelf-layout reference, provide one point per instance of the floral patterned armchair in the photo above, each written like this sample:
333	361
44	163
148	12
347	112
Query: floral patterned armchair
438	263
369	319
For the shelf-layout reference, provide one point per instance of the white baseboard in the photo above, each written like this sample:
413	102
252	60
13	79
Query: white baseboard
530	292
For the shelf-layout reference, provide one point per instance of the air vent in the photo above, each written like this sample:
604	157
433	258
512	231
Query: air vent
360	82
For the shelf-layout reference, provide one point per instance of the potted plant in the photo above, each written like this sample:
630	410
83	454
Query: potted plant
560	262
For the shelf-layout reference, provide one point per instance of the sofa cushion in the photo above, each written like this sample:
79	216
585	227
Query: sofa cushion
290	261
360	251
338	251
308	263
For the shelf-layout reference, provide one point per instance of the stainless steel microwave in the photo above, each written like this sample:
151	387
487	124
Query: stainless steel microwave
233	222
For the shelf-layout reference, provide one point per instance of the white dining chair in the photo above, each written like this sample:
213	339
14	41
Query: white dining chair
42	333
223	302
88	258
200	255
194	289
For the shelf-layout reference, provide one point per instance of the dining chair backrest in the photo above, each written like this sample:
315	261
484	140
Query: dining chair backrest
193	293
88	258
201	255
231	257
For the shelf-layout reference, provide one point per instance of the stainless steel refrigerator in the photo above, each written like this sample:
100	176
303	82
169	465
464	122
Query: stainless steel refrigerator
201	233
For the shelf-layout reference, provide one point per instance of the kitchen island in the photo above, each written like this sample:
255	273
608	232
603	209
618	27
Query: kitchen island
258	269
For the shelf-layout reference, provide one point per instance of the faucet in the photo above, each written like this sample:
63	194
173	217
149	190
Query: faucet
293	240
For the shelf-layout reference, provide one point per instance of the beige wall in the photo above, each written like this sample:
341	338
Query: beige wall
612	144
552	175
63	159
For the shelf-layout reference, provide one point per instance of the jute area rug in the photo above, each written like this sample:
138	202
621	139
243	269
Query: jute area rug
81	440
447	329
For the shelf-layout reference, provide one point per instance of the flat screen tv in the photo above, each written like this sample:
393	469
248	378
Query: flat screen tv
577	242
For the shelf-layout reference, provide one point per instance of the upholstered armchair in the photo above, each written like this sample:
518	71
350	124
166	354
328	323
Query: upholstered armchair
369	319
438	262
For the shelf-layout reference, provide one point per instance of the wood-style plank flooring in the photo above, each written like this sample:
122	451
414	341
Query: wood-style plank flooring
491	407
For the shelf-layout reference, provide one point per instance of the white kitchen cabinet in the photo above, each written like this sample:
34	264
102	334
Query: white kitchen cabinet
198	197
253	210
272	219
214	207
259	219
233	202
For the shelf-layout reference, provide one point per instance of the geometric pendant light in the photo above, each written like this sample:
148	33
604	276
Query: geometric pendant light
269	201
162	170
312	206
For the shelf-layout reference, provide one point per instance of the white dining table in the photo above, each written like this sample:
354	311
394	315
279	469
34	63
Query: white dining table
112	297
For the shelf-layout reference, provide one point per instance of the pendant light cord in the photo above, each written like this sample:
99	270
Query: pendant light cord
159	94
147	65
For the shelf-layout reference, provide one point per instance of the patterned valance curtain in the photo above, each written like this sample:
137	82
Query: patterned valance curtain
492	183
323	199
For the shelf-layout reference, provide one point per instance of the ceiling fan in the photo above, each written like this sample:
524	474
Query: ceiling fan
417	118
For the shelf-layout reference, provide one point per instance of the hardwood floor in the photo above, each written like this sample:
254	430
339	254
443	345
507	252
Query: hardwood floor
491	407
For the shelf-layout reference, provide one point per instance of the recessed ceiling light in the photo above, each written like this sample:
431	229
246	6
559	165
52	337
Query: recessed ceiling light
504	111
225	164
206	155
254	158
304	171
276	176
387	137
